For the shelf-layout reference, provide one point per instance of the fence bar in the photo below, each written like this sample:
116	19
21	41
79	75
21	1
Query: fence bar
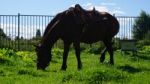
18	31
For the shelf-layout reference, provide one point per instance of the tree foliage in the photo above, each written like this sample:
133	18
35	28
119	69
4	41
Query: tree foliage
3	38
2	34
38	33
141	27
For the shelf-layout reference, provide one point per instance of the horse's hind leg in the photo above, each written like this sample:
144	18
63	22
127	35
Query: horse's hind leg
77	51
102	58
108	44
65	55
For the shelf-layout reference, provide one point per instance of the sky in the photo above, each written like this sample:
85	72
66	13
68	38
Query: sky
52	7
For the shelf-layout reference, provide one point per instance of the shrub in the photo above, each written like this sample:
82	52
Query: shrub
142	43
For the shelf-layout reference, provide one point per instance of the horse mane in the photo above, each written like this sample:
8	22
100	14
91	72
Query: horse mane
59	16
52	22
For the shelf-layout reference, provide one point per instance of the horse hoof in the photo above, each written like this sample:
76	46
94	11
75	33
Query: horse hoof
112	63
79	68
63	68
43	69
101	60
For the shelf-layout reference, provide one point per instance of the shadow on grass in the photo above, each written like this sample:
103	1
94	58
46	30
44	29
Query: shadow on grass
129	69
143	56
145	69
2	73
101	77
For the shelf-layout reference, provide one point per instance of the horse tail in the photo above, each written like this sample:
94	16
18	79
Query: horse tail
115	26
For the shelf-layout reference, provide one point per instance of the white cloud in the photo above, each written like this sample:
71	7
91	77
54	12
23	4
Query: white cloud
72	5
102	8
118	12
108	4
105	7
87	4
90	6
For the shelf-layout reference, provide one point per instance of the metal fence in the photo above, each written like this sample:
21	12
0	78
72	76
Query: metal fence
20	30
126	27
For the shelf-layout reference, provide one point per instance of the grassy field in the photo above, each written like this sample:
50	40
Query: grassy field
19	68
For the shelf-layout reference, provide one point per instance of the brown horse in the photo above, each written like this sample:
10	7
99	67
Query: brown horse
77	25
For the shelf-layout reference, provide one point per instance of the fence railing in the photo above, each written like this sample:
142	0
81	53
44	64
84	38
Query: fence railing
126	27
20	31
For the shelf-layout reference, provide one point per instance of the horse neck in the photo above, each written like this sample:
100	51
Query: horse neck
48	40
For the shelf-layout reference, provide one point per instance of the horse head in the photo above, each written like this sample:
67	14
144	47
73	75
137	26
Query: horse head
43	57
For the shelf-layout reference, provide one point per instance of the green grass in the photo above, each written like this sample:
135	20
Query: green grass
20	68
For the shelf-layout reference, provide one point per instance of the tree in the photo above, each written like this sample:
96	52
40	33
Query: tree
38	33
4	39
17	38
2	34
141	27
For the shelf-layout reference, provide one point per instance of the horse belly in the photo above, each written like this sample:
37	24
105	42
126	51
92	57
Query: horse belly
92	36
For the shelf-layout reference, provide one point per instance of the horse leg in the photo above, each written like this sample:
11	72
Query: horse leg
102	58
65	55
77	52
108	44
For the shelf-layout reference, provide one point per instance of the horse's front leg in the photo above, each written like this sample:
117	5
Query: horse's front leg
77	51
65	55
102	58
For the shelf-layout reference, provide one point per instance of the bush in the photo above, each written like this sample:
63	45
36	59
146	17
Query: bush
142	43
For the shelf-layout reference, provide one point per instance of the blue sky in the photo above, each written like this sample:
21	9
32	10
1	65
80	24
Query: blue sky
51	7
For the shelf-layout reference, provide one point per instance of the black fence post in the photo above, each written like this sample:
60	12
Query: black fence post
18	31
